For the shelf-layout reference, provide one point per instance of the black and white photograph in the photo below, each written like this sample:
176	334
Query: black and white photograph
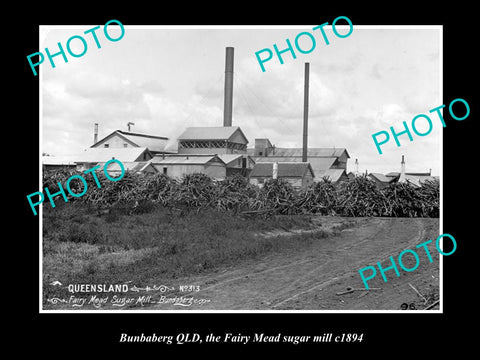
230	182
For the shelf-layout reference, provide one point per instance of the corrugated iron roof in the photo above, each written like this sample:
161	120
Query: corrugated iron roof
418	180
317	164
97	155
136	166
382	177
291	169
320	164
333	174
396	173
152	142
185	159
210	133
228	158
313	152
59	160
128	133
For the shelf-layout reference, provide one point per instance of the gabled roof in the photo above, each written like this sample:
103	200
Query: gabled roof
228	158
59	160
351	175
97	155
313	152
396	173
418	180
323	163
291	169
211	133
320	163
382	178
185	159
134	167
152	142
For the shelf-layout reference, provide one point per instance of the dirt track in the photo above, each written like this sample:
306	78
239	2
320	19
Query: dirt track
310	278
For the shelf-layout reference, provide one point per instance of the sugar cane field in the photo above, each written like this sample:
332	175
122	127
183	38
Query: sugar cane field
243	247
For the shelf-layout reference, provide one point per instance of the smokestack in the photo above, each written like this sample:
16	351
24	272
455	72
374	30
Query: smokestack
356	167
228	94
305	113
95	133
402	170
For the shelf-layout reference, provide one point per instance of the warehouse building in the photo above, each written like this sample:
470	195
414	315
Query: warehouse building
176	166
416	179
214	151
94	156
212	139
58	162
133	158
119	139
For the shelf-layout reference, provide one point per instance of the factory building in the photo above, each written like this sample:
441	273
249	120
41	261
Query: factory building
177	166
299	174
216	139
125	139
217	151
325	162
415	179
224	147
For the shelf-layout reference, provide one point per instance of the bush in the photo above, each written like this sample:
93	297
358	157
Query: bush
140	194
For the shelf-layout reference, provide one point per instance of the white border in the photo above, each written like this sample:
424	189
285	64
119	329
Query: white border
240	27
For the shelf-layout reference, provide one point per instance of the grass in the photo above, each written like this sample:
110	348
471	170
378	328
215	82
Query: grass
82	246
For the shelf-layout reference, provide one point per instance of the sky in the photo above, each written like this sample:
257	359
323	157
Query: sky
164	79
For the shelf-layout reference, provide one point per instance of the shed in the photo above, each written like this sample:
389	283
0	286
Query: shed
334	175
212	140
237	163
298	174
418	180
137	167
415	179
178	165
58	162
93	156
382	181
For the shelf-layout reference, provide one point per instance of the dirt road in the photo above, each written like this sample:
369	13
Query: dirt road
310	278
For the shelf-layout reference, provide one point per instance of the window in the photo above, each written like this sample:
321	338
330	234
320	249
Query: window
165	170
125	145
105	145
260	153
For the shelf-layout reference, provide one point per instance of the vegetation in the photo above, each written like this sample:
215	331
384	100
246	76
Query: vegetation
81	246
147	227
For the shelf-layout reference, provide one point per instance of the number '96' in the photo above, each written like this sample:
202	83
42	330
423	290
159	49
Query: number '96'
349	338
